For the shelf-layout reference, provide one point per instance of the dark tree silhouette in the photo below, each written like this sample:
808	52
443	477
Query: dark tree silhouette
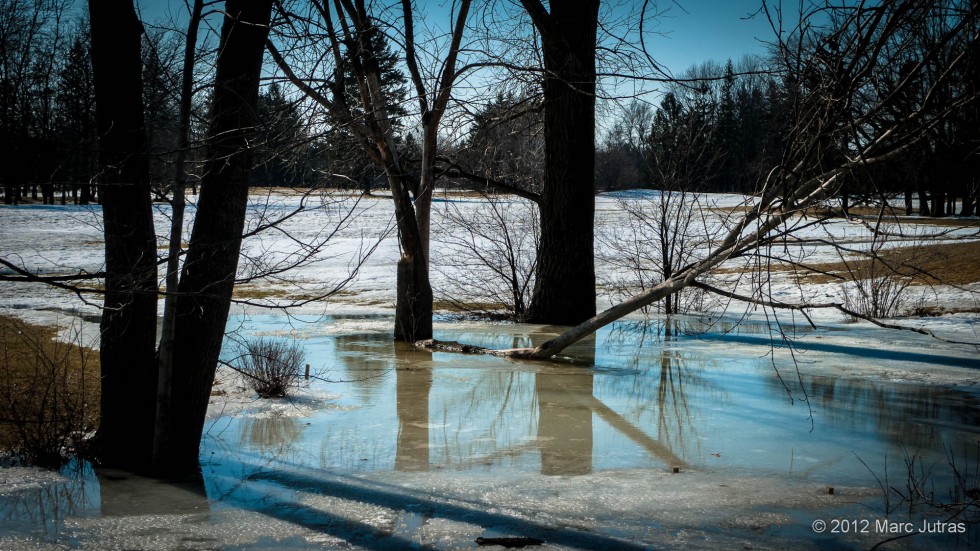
129	320
564	291
208	275
282	142
75	120
129	421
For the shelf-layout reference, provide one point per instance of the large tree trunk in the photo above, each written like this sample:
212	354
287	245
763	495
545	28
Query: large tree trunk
208	275
413	293
165	353
564	290
923	202
129	317
938	202
413	306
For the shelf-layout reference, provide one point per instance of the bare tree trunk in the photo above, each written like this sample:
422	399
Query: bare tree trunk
413	272
208	274
129	317
564	290
413	308
923	202
165	353
413	302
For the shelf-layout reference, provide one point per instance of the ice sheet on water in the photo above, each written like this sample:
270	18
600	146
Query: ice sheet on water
17	479
612	509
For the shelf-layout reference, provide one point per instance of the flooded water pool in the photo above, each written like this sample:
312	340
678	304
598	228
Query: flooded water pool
652	436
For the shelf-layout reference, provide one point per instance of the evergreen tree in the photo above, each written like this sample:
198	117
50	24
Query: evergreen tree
726	135
75	119
345	156
682	152
161	85
281	158
505	142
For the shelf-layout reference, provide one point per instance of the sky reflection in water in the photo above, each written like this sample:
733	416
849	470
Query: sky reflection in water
639	398
651	401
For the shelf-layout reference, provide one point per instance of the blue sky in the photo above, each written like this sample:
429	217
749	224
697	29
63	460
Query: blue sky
689	32
693	31
682	34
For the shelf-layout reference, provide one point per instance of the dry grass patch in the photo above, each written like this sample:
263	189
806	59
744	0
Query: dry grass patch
254	292
456	306
877	283
948	263
49	394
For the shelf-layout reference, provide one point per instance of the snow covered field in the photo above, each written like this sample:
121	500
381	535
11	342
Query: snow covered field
411	449
343	228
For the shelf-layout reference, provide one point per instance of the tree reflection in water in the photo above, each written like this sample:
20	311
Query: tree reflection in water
564	421
125	494
43	508
414	383
271	434
557	414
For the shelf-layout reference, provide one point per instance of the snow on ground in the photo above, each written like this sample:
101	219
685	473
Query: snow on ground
68	239
344	227
681	514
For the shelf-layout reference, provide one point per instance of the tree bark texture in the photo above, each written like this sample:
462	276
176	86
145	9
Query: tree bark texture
165	352
208	275
413	305
129	316
413	293
564	290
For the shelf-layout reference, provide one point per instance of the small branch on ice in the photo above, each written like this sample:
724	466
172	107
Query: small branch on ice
460	348
451	346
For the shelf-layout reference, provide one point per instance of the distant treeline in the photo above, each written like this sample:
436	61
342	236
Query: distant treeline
724	129
717	128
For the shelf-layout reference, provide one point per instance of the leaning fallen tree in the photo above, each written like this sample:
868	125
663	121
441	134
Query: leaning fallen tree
845	122
760	226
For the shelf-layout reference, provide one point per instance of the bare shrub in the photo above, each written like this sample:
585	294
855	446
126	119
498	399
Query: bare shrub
48	394
271	365
931	491
487	256
664	231
879	282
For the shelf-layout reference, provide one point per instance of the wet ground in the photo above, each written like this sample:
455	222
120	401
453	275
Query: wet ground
688	435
